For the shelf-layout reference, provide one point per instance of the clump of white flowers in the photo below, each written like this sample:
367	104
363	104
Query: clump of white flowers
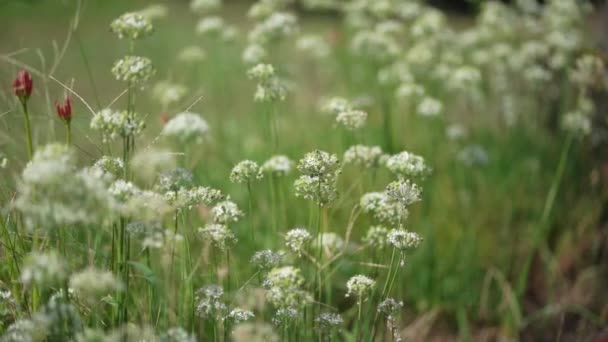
285	288
364	156
403	239
134	70
320	172
254	54
110	166
266	259
359	286
328	321
335	106
429	106
168	93
314	46
43	269
277	165
330	242
226	212
237	315
406	164
383	208
114	124
131	26
352	119
246	171
276	26
92	284
218	234
210	304
185	128
269	87
403	191
296	239
376	237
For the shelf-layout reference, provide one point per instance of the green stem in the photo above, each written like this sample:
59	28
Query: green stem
28	130
250	213
68	133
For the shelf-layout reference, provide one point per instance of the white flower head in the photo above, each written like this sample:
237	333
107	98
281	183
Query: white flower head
278	165
406	164
135	70
219	235
226	212
296	239
186	127
132	26
352	120
246	171
359	286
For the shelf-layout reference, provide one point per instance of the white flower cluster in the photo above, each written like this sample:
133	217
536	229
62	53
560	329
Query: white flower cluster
219	235
226	212
331	243
403	239
246	171
276	26
44	269
352	119
168	93
406	164
285	288
364	156
296	240
403	191
383	208
266	259
376	237
313	45
135	70
185	128
279	165
131	26
329	320
359	286
114	124
269	87
237	315
210	302
92	284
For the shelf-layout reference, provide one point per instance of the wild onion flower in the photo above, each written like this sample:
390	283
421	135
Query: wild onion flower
330	242
177	334
383	208
148	164
406	164
376	237
110	166
26	329
269	86
131	26
335	106
219	235
318	163
277	165
404	240
210	303
135	70
589	72
254	54
191	54
185	128
174	180
313	45
404	192
204	6
123	190
23	86
390	308
352	119
113	124
296	240
429	107
410	92
226	212
236	316
43	269
360	287
266	259
328	321
92	284
321	190
374	45
168	93
246	171
284	316
363	156
276	26
285	288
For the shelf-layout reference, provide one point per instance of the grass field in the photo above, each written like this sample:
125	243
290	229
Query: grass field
501	115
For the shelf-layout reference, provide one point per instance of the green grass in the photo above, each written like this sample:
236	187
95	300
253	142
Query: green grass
478	223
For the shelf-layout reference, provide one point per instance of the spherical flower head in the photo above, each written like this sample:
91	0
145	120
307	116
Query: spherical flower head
321	190
429	107
226	212
167	93
331	242
199	195
64	110
318	163
404	240
219	235
174	180
278	165
383	208
236	316
328	321
352	120
92	284
376	237
261	72
191	54
336	105
363	156
284	316
44	270
204	6
210	26
276	26
284	277
135	70
210	304
246	171
123	190
114	124
23	85
186	127
296	239
406	164
266	259
390	308
110	166
404	192
132	26
254	54
359	286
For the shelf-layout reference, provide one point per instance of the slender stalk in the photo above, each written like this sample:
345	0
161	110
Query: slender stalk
68	134
250	212
28	130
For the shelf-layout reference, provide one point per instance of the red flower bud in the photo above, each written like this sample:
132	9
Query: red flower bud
23	85
64	110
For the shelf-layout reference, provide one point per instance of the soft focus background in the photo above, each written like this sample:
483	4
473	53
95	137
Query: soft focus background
487	208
